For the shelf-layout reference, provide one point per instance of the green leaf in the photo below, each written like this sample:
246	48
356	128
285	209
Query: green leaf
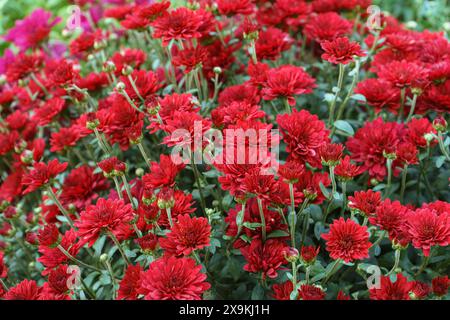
440	161
252	225
258	292
278	234
324	190
344	126
359	97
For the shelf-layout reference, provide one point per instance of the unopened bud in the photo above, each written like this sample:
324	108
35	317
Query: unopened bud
140	172
127	70
103	258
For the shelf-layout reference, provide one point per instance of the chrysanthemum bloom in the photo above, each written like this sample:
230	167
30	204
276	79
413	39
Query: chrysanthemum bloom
390	216
31	31
286	82
46	113
52	257
63	139
190	58
398	290
291	171
440	285
178	24
282	291
187	235
63	75
171	278
407	154
327	26
41	174
365	202
234	7
271	43
309	254
82	186
235	113
342	296
372	142
25	290
440	207
84	43
419	290
146	82
404	74
23	65
346	170
417	129
347	240
49	235
311	292
129	285
341	50
428	229
148	243
264	258
112	216
379	94
162	174
331	154
3	268
112	166
57	286
304	135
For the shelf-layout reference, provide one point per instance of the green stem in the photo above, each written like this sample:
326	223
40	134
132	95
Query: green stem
263	219
403	187
253	51
169	216
60	207
119	246
413	107
4	285
307	273
119	192
389	181
72	258
442	146
39	84
333	182
197	181
332	271
425	262
336	95
344	197
133	84
292	214
305	230
144	154
397	261
128	191
287	106
380	238
402	104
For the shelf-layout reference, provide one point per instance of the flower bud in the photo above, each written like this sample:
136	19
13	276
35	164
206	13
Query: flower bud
291	254
217	70
120	87
103	258
309	254
26	157
439	124
127	70
109	67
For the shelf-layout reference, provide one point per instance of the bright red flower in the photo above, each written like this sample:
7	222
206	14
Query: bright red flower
179	24
398	290
311	292
190	58
428	229
379	94
23	65
346	170
41	174
264	258
234	7
52	107
162	174
365	202
440	207
331	153
417	129
271	43
309	254
390	216
404	74
304	135
25	290
342	296
347	240
327	26
53	257
129	285
146	83
84	43
63	139
372	142
82	186
282	291
420	290
171	278
187	235
3	267
112	216
341	50
112	165
440	285
48	236
63	75
286	82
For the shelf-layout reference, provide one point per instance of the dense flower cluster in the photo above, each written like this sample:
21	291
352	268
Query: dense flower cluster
224	149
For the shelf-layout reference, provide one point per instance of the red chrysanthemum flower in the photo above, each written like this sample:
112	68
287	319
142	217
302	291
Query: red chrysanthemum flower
365	202
404	74
48	236
419	290
346	170
286	82
53	256
311	292
398	290
342	296
25	290
41	174
179	24
327	26
372	142
428	229
23	65
129	285
331	153
63	139
112	165
190	58
440	207
52	107
304	135
417	129
187	235
171	278
265	258
162	174
390	216
379	94
440	285
341	50
347	240
3	267
234	7
271	43
63	75
146	83
309	254
282	291
112	216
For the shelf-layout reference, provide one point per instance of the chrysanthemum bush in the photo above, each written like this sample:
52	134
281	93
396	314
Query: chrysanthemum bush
349	202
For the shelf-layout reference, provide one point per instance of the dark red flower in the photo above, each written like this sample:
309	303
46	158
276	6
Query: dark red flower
342	296
23	65
390	216
265	258
311	292
129	285
440	285
178	24
63	139
271	43
365	202
84	43
190	58
63	75
428	229
162	174
48	236
347	240
327	26
286	82
304	135
379	94
309	253
52	107
112	216
146	83
346	170
331	154
171	278
148	243
53	257
341	50
282	291
404	74
233	7
398	290
25	290
3	267
187	235
417	129
420	290
41	174
112	166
